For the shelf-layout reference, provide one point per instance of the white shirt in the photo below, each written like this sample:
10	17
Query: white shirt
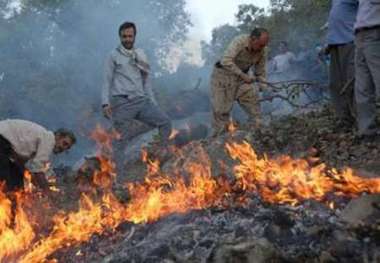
282	62
31	142
123	74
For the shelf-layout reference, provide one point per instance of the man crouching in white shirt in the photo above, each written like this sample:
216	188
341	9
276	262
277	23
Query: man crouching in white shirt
27	145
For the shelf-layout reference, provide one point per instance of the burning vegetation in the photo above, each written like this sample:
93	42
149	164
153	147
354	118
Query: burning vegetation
216	200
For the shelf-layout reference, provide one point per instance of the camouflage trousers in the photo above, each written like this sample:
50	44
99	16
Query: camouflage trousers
225	90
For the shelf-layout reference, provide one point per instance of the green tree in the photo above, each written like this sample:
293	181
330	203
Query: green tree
250	16
293	21
296	20
221	37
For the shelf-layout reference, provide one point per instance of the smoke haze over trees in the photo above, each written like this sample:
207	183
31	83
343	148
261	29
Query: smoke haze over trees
52	51
290	20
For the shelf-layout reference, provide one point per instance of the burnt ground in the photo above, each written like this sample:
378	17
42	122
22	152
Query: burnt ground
257	231
311	135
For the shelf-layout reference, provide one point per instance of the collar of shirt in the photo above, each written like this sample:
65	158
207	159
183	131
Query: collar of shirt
140	59
127	52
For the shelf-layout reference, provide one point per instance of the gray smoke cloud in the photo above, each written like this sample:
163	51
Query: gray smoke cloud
52	55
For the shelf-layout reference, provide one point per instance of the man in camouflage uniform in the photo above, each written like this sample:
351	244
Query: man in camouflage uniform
230	80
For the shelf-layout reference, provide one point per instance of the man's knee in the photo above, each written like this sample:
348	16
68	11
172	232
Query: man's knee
162	119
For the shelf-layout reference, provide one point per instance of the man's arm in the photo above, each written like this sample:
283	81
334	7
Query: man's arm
41	159
39	166
230	54
292	58
39	179
109	67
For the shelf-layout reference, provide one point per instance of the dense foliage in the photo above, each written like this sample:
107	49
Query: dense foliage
294	21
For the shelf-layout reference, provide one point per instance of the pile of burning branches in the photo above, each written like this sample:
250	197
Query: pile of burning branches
212	201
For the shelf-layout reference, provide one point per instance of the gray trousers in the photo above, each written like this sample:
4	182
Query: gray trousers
342	70
125	110
367	85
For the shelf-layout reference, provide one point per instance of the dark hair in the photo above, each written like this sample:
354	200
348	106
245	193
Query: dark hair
126	25
62	132
284	43
258	31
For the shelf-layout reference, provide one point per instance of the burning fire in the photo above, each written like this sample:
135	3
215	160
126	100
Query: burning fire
16	232
104	139
153	166
28	185
231	127
173	134
191	186
285	180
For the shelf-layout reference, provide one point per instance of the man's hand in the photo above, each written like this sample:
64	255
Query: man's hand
261	83
261	79
107	111
324	51
261	87
39	180
248	79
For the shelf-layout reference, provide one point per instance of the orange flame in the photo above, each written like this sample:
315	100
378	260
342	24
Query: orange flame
166	194
153	166
104	139
106	176
70	229
291	181
28	185
191	186
17	238
173	134
231	127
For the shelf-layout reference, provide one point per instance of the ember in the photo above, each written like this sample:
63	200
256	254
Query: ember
191	187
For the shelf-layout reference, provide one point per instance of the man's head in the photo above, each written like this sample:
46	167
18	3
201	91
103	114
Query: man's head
127	34
259	39
283	47
64	139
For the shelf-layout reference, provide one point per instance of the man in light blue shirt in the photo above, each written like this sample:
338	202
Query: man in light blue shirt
367	67
126	93
340	41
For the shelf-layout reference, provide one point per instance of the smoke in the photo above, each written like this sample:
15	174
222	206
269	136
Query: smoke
305	64
11	8
52	55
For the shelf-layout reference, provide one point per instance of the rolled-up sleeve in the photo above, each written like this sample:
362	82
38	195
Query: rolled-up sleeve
109	67
230	54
